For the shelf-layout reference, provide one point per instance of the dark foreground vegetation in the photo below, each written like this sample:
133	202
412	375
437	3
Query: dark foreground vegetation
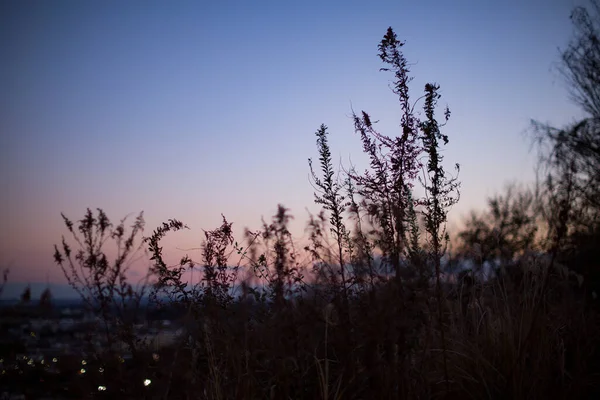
377	305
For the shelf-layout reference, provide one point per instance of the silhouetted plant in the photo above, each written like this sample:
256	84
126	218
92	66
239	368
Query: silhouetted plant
321	254
219	277
102	285
581	58
362	249
287	276
575	149
571	155
441	193
169	280
330	195
394	161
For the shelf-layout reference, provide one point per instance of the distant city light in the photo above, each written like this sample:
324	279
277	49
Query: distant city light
30	362
83	362
82	371
55	360
147	382
101	388
101	370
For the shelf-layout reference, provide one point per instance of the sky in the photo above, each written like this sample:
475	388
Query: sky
190	110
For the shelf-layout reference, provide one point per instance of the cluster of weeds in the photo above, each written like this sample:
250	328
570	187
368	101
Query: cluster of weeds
375	305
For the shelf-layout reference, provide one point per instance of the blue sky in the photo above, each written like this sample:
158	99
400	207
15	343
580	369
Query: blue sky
192	109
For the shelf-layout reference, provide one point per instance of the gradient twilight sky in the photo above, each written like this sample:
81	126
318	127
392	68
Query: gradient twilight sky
192	109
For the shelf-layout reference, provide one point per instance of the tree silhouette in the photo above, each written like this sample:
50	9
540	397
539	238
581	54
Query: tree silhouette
26	295
46	299
5	273
505	231
570	156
